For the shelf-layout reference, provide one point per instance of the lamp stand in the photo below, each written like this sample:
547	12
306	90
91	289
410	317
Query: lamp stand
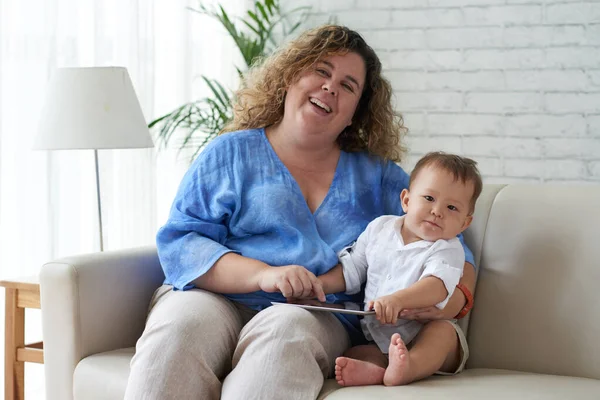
99	201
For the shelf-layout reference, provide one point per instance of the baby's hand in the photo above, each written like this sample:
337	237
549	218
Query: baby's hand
387	309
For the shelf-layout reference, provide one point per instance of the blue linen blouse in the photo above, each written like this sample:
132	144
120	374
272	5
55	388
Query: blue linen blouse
239	197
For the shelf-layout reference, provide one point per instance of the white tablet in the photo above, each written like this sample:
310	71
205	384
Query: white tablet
316	305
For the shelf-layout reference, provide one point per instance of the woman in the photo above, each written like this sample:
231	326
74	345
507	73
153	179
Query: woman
262	212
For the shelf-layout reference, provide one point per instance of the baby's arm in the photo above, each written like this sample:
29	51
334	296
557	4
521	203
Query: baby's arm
333	280
424	293
441	273
447	265
351	272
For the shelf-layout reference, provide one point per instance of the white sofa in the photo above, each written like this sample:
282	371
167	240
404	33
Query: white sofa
534	331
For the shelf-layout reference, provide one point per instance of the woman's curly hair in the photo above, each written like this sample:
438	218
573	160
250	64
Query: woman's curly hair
260	100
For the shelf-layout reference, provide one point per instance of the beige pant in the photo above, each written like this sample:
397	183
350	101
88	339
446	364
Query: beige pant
199	345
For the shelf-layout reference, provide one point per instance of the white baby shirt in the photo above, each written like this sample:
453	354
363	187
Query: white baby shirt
380	257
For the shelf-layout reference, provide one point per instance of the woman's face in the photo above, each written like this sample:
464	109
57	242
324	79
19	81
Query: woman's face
323	100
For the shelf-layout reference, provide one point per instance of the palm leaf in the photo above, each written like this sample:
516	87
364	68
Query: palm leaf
261	8
201	120
217	90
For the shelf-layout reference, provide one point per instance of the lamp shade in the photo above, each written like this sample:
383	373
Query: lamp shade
91	108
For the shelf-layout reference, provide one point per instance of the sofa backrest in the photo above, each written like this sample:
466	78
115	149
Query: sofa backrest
538	280
476	232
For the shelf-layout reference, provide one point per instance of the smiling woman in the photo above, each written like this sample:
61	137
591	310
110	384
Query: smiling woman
317	107
317	122
323	100
261	98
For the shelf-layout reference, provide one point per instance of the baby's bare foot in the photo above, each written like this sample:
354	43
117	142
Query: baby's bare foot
398	371
351	372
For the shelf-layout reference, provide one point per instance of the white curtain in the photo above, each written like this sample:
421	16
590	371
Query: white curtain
48	199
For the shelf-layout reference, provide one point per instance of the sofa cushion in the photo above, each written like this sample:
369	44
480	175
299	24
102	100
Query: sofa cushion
104	376
477	384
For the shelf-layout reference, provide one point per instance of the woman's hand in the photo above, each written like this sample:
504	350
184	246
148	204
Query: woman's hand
423	314
293	281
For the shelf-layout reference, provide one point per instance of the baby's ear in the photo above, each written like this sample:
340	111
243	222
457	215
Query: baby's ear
404	196
467	223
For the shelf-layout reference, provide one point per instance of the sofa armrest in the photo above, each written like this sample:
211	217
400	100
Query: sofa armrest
91	304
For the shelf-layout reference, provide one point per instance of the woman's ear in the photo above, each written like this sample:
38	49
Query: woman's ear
404	199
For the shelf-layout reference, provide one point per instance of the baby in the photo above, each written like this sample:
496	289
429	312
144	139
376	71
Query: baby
411	261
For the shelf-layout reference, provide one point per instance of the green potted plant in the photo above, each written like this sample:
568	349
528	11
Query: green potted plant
254	36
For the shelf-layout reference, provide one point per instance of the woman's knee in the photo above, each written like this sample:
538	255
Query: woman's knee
290	330
289	315
294	322
189	337
179	319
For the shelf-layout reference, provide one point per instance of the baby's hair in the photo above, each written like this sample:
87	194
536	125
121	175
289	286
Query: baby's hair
463	169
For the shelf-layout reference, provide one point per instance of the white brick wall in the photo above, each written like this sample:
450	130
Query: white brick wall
514	84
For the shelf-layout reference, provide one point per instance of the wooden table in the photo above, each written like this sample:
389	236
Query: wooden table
20	294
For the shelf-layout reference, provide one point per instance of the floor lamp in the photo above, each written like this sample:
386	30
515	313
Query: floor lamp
92	108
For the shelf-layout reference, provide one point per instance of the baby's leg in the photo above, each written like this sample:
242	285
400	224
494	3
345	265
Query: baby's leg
436	348
363	365
398	371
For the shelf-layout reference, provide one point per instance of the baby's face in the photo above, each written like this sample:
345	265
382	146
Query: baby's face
437	205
